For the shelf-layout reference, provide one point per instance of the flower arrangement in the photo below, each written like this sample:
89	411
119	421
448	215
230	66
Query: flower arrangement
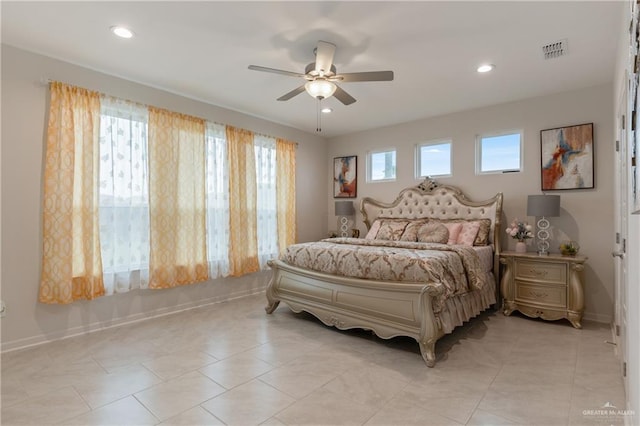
520	230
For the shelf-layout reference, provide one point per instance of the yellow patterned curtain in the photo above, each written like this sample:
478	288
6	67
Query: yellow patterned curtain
286	192
176	199
71	264
243	236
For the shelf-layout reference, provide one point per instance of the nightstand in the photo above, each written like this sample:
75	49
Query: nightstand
549	287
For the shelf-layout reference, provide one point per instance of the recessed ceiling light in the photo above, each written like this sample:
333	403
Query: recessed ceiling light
486	68
122	31
326	110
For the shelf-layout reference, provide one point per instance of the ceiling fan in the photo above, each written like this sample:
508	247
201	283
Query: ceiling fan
322	76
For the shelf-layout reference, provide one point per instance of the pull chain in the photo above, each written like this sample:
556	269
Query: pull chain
318	115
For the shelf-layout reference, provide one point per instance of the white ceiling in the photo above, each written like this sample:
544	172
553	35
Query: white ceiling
202	50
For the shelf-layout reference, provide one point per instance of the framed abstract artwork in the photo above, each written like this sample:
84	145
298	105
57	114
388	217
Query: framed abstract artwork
345	177
567	157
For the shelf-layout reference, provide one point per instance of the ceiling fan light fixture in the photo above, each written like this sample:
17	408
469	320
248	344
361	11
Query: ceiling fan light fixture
326	110
320	88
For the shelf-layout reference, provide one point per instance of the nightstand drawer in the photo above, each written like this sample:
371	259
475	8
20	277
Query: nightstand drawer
542	272
548	295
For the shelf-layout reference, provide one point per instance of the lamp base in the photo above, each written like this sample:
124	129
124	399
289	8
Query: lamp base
543	237
344	229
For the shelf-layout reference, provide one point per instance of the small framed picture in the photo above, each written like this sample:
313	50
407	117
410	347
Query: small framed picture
567	157
345	177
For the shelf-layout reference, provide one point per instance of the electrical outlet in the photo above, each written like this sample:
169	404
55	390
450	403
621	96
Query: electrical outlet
3	308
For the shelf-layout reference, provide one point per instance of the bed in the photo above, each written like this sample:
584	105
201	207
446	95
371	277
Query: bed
394	285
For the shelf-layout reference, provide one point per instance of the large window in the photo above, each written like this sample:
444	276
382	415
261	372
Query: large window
499	153
265	148
433	159
217	201
124	195
381	165
140	197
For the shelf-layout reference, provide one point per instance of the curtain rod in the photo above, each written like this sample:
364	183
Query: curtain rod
44	81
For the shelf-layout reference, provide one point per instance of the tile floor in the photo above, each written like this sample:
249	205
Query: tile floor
230	363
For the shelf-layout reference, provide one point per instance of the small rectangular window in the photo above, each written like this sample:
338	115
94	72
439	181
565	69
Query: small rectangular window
499	153
433	159
381	166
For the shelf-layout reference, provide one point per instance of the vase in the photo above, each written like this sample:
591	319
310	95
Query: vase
521	247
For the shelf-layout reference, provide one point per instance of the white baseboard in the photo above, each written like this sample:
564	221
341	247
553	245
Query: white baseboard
602	318
41	339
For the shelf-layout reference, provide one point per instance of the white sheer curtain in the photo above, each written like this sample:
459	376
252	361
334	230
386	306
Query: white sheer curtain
267	226
217	201
124	195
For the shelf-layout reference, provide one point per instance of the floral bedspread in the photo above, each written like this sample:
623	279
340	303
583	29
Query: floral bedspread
458	268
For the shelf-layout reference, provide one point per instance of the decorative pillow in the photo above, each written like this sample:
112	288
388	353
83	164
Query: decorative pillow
373	231
411	231
468	233
454	229
433	233
482	238
391	229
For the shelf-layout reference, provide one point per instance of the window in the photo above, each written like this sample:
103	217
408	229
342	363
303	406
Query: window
217	201
499	153
433	159
151	227
267	227
381	166
124	195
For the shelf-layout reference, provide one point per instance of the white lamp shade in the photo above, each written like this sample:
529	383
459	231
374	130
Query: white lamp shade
543	205
320	88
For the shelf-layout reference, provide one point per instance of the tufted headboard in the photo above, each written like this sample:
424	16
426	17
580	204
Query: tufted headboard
432	200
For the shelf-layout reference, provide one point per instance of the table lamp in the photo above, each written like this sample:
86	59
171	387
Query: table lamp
344	209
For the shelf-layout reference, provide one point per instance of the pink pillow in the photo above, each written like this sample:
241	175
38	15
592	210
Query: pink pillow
454	231
468	234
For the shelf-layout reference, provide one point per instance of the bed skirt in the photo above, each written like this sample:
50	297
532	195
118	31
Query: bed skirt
461	308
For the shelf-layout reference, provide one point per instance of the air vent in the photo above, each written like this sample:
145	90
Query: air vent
555	49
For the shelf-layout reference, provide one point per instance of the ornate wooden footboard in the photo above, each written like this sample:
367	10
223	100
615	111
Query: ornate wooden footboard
389	309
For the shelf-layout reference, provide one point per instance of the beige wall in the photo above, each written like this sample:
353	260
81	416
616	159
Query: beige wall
586	215
23	125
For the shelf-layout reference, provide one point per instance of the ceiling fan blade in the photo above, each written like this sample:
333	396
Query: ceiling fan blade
343	96
275	71
364	76
292	93
324	57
